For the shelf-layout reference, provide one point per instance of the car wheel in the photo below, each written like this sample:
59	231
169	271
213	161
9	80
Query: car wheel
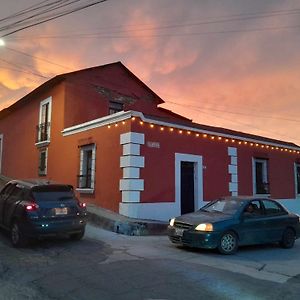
77	236
288	238
228	243
17	237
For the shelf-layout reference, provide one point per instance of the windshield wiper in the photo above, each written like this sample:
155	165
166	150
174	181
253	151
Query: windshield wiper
203	209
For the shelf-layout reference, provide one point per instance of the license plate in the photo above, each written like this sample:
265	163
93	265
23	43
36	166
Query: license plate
179	231
61	211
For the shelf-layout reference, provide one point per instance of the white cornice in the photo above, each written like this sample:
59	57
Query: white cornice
104	121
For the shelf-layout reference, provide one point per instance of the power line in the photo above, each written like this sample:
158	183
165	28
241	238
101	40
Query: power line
255	127
231	18
23	70
48	18
38	58
232	112
177	34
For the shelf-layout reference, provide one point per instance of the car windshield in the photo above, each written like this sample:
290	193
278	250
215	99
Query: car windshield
229	207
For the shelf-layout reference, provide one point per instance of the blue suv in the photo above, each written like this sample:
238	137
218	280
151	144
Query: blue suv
31	209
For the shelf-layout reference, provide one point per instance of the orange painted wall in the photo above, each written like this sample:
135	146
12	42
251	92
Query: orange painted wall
108	171
20	155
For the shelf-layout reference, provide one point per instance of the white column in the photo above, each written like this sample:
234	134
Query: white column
233	171
131	162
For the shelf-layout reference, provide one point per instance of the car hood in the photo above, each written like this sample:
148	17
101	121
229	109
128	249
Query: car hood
198	217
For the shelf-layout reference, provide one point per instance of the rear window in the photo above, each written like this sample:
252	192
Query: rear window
53	193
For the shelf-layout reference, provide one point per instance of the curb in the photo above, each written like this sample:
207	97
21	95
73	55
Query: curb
123	225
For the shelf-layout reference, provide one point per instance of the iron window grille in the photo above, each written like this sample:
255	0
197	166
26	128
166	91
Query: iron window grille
86	177
43	132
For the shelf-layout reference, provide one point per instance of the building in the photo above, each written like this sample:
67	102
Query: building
102	130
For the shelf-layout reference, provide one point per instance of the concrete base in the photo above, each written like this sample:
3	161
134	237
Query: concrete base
121	224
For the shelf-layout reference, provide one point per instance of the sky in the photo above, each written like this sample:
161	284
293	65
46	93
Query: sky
230	63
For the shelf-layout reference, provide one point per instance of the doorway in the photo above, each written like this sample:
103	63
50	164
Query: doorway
187	187
188	182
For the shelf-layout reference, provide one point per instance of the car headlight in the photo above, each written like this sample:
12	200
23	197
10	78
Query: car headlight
172	221
204	227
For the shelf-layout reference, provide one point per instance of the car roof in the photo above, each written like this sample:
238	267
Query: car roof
30	183
245	198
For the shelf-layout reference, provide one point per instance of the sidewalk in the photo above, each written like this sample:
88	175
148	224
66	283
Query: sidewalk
120	224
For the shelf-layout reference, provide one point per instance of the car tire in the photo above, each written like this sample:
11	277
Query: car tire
288	238
77	236
18	239
228	243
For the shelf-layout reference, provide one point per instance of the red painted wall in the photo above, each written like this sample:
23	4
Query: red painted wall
85	102
159	171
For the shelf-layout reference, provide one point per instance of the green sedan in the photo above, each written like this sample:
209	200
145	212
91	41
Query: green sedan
231	222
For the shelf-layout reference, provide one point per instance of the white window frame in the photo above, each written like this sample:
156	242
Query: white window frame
42	103
297	165
82	171
44	172
264	175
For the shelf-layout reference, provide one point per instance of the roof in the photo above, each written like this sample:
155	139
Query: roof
59	78
29	183
223	131
174	118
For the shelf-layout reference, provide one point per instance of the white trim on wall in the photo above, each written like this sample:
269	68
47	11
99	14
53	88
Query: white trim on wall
42	103
122	116
265	174
233	171
131	162
162	211
293	205
198	179
83	166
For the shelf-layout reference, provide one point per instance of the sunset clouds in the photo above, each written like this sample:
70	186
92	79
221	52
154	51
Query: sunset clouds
241	73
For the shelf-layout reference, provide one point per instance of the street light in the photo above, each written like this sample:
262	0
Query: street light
2	43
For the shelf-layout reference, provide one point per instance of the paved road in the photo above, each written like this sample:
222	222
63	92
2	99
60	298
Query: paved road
106	265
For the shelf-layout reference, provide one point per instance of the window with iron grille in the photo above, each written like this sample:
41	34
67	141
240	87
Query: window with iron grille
86	177
115	107
43	156
260	176
43	128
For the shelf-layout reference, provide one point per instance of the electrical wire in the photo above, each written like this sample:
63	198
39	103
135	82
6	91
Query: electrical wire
232	18
48	18
232	112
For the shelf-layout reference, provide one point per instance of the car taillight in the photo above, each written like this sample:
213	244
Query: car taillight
31	207
82	204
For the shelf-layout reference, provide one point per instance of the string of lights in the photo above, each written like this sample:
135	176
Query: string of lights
213	137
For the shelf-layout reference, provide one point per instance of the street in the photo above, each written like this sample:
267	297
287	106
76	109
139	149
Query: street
105	265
